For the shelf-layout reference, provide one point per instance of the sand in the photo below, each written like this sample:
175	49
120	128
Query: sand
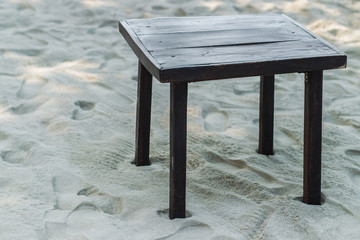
67	122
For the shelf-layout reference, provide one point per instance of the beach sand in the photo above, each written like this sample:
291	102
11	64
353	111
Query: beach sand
67	131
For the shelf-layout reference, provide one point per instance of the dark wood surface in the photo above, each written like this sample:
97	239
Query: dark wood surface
213	23
178	123
266	115
143	116
312	137
206	48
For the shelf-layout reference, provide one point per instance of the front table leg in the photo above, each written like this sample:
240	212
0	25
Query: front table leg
312	137
143	116
178	119
266	115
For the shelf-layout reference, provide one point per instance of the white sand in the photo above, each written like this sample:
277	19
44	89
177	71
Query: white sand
67	121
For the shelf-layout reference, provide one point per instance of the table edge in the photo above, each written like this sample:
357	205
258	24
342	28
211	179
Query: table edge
250	69
233	70
139	49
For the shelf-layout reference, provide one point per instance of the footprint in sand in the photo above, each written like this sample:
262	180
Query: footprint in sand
261	176
354	175
67	184
83	110
71	224
79	207
72	192
66	187
355	154
191	230
214	158
14	157
84	105
25	108
17	156
30	88
83	216
107	203
215	120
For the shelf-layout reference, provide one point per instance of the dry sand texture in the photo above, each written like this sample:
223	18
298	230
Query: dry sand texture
67	117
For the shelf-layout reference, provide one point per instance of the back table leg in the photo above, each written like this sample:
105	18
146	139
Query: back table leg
178	119
266	115
143	116
312	137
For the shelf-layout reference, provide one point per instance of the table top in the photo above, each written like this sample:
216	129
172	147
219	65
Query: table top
217	47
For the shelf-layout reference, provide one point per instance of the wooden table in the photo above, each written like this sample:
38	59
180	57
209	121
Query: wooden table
189	49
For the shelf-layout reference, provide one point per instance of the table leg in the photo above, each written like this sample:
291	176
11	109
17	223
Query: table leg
143	116
312	137
266	115
178	119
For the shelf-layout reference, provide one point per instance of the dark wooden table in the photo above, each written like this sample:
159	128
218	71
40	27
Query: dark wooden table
183	50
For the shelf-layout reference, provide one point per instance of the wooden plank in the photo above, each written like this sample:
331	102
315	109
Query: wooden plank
315	36
139	49
312	137
213	23
235	55
240	54
178	120
239	59
212	72
143	116
250	49
205	20
222	38
266	115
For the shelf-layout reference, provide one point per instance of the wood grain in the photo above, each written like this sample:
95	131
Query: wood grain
272	51
222	38
213	23
192	49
